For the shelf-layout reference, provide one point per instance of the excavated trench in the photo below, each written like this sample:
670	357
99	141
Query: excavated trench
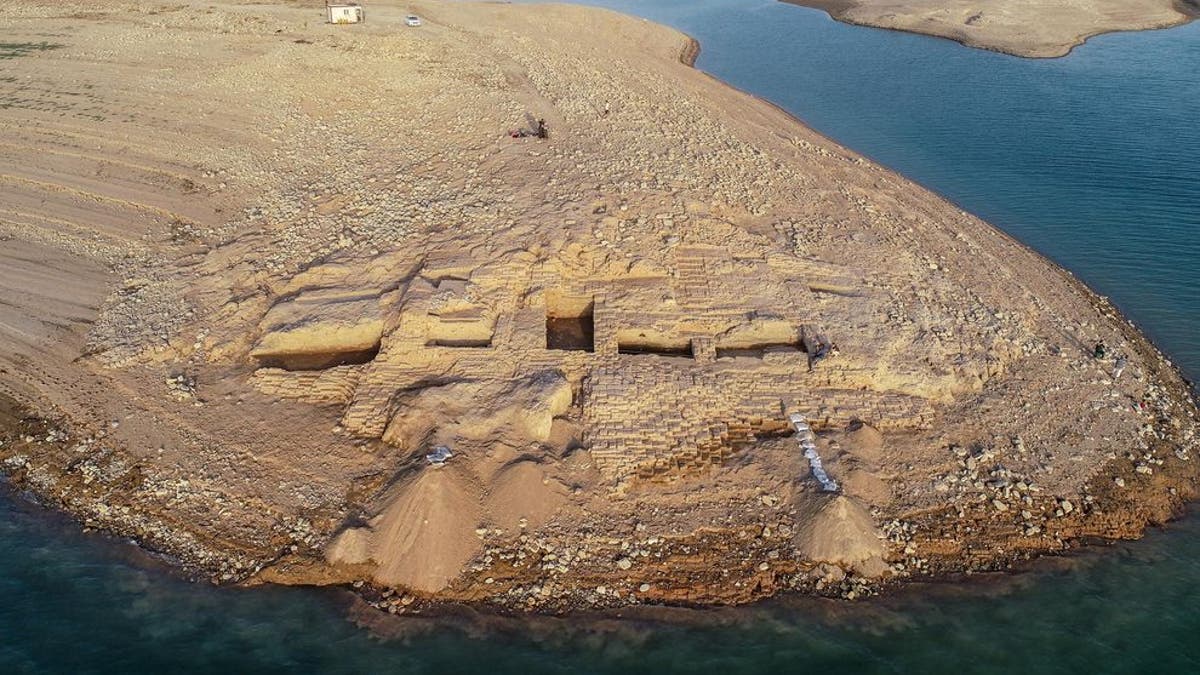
570	323
319	360
758	351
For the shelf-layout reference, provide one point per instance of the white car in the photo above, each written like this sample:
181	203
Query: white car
412	20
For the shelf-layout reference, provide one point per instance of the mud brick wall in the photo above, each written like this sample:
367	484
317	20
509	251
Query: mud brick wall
333	385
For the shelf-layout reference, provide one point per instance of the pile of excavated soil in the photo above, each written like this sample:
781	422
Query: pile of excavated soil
522	494
835	528
424	535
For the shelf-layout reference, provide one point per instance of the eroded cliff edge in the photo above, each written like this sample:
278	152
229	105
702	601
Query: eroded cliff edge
257	268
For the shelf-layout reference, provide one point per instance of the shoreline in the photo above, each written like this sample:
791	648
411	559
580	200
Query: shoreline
295	555
630	621
163	557
840	10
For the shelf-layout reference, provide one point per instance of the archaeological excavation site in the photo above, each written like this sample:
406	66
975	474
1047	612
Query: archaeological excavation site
681	350
558	376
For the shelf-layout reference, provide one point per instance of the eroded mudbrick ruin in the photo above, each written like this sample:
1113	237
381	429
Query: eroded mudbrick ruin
663	370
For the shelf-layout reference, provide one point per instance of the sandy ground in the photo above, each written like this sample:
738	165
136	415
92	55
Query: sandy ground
253	268
1032	28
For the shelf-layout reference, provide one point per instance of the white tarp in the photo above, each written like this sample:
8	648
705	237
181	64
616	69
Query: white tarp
805	434
439	455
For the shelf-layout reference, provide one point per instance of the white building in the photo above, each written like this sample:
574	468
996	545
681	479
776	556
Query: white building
345	13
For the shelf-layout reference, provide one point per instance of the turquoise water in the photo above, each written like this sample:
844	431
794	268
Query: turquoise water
1093	160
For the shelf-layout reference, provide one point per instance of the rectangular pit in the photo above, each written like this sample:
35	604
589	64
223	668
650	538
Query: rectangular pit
570	323
758	351
465	329
465	343
318	360
652	342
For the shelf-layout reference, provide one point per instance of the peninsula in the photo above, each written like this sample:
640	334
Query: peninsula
517	309
1031	28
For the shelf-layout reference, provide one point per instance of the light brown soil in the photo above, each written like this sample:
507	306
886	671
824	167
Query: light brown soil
1032	28
253	268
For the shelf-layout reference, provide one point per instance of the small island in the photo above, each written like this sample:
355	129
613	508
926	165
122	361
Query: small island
1030	28
511	306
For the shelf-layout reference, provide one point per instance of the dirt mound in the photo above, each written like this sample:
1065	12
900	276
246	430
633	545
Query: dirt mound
523	490
867	487
423	537
838	530
864	442
351	547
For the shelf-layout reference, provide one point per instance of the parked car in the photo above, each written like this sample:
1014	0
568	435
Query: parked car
412	20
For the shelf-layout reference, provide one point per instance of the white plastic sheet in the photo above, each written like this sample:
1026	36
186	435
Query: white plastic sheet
805	434
439	455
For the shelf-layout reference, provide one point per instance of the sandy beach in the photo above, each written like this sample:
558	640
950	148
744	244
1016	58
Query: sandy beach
1029	28
303	303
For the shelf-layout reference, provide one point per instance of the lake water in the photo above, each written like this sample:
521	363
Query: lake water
1093	159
